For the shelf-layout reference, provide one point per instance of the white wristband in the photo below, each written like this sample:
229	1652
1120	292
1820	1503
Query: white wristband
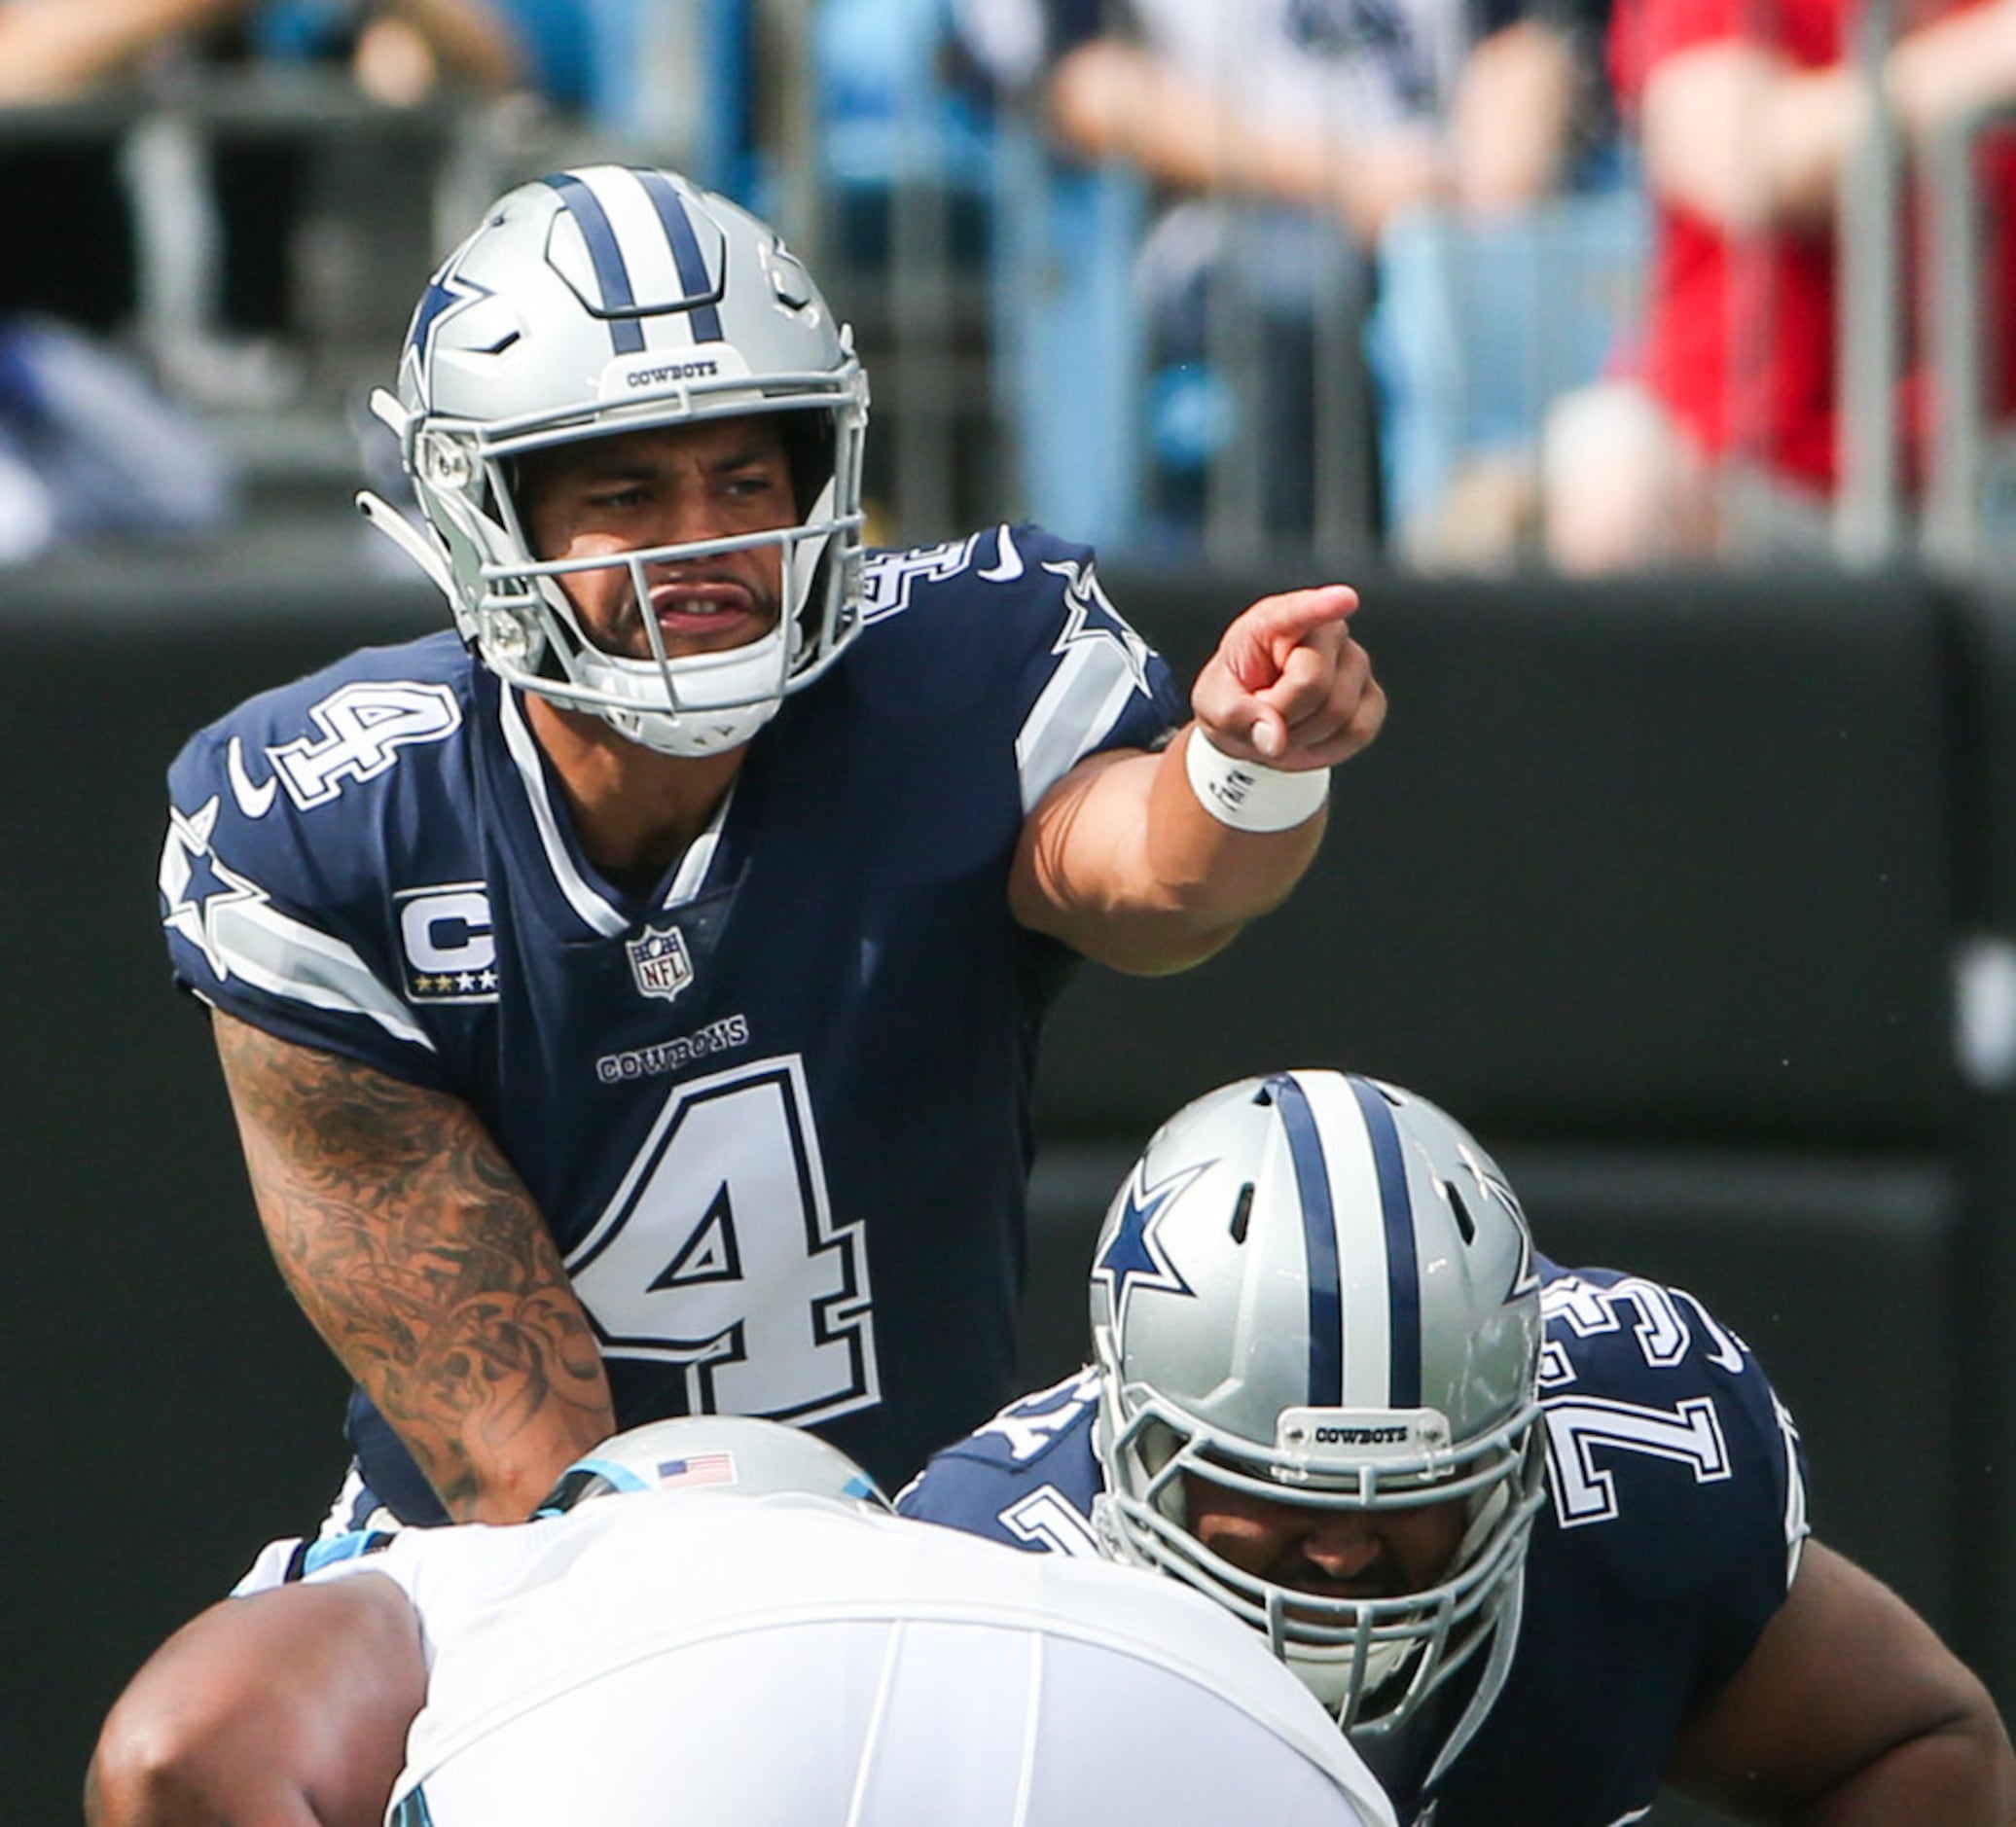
1249	796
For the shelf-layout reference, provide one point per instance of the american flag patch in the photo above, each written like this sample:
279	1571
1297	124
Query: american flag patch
703	1468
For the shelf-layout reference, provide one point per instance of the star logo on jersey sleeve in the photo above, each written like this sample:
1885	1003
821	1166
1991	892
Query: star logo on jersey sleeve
1134	1257
195	884
1090	619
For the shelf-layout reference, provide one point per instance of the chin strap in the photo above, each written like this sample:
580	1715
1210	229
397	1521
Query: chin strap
423	551
385	408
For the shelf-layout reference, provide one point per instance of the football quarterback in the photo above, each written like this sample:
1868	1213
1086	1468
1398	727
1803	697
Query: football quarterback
684	918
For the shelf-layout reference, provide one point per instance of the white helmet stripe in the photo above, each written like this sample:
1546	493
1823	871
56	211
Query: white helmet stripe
647	254
706	319
1403	1268
1344	1245
612	276
1320	1242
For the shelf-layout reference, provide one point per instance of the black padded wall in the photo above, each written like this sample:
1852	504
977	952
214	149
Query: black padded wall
1653	887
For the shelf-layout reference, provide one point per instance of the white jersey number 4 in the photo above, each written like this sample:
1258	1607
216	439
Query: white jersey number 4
719	1252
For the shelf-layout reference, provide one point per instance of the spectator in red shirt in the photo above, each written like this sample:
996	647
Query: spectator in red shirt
1748	112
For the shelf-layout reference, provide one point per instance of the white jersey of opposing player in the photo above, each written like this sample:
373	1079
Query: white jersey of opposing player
695	1656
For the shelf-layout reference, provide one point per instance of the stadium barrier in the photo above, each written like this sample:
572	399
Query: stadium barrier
1658	887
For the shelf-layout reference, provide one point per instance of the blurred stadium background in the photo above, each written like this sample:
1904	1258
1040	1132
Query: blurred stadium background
1693	891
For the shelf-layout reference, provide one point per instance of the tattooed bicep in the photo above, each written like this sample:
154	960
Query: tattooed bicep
307	1103
340	1150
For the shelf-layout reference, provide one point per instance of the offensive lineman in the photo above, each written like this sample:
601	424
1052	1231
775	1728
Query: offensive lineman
629	1002
716	1620
1537	1536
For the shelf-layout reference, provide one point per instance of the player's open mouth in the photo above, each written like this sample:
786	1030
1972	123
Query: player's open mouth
688	606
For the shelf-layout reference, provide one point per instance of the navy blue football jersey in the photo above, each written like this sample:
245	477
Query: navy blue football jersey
1678	1505
776	1108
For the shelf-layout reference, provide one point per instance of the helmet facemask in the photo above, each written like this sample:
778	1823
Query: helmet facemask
1373	1662
514	320
1316	1291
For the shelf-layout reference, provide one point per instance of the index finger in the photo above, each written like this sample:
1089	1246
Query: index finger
1258	642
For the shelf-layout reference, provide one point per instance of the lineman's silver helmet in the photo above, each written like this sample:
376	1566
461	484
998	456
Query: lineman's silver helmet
616	299
1317	1289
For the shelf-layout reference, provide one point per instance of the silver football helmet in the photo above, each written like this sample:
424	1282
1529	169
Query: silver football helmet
605	299
718	1452
1317	1289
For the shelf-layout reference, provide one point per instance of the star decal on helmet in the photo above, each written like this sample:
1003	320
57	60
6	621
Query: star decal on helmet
1133	1258
1525	1277
1089	617
447	293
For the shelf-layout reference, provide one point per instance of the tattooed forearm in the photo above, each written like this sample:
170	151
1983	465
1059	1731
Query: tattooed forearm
420	1257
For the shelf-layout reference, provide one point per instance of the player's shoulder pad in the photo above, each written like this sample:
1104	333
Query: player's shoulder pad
1669	1453
345	722
328	738
1029	1477
989	572
1025	1438
283	710
1012	621
1632	1337
332	1551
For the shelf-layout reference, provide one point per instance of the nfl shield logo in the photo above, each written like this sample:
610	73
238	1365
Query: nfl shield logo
660	963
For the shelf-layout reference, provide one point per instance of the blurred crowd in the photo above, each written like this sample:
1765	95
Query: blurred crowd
1466	285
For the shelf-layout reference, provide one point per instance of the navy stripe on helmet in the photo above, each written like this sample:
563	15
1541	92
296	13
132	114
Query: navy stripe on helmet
1319	1242
692	264
612	276
1403	1271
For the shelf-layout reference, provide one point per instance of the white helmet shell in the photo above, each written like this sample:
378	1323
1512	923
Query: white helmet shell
615	299
1317	1289
715	1452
